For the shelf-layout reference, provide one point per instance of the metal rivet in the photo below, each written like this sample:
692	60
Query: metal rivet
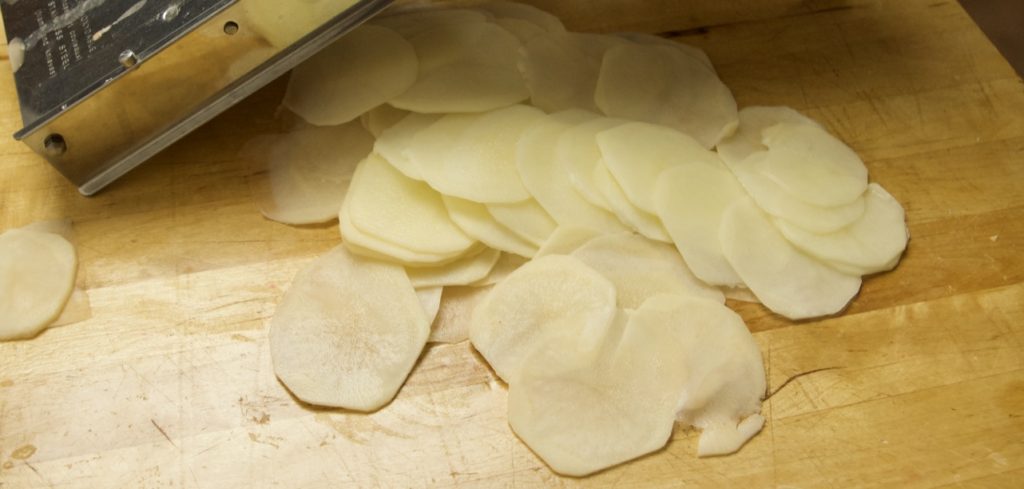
55	145
231	28
127	58
169	14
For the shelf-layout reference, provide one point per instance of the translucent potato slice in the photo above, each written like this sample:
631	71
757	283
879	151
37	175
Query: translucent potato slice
347	332
637	153
385	204
476	221
872	244
382	118
464	67
37	276
415	20
567	239
524	30
507	264
555	293
395	142
455	316
362	70
549	182
78	308
474	157
694	52
784	279
641	221
465	271
527	219
515	10
749	136
813	165
691	200
663	85
562	69
578	151
362	244
430	299
640	269
308	172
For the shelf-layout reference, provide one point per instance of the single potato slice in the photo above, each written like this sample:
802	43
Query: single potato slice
455	316
507	264
382	118
567	239
527	219
640	269
430	299
562	69
465	271
578	151
362	244
554	293
515	10
395	142
749	137
524	30
643	222
784	279
813	165
37	276
663	85
415	19
476	221
347	332
691	200
362	70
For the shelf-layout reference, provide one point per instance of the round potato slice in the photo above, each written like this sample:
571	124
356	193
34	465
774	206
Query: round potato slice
347	332
813	165
642	222
382	118
414	20
507	264
455	316
37	276
554	293
395	142
477	222
430	299
515	10
464	271
640	269
783	278
561	69
524	30
384	203
362	70
527	219
367	246
663	85
567	239
690	200
749	137
637	153
578	151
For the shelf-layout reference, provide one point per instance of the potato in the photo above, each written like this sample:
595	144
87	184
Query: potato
454	318
476	221
519	11
430	299
37	276
414	20
394	143
362	244
567	239
527	219
749	136
562	69
693	52
467	270
382	118
578	151
640	221
507	263
813	165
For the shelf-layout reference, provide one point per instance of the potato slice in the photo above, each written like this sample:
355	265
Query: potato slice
692	51
554	293
640	269
362	70
308	172
367	246
464	271
474	157
524	30
507	264
395	142
567	239
387	205
515	10
549	182
78	308
37	276
872	244
455	316
663	85
382	118
749	137
415	20
477	222
527	219
740	293
430	299
641	221
347	332
562	69
578	151
637	153
783	279
464	67
691	200
813	165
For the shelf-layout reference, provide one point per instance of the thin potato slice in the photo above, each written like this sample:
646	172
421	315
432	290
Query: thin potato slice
749	137
385	204
740	294
694	52
382	118
364	245
524	30
430	299
567	239
562	69
663	85
872	244
37	276
77	309
395	143
527	219
637	153
783	279
477	222
551	294
813	165
455	316
578	151
641	221
416	20
691	200
464	271
362	70
507	264
515	10
347	332
640	269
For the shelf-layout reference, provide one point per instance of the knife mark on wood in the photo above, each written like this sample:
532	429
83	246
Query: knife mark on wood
162	432
797	376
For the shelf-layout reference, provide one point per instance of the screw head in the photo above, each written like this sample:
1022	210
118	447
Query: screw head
128	58
55	145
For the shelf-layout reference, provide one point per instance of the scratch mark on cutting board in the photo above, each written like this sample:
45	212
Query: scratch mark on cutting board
162	432
38	474
797	376
256	439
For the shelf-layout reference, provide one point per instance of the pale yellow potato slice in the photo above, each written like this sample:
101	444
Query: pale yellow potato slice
690	199
476	221
784	279
527	219
578	151
395	142
520	11
381	118
813	165
740	293
640	269
749	136
562	69
384	203
307	172
465	271
37	276
643	222
455	316
464	67
362	70
555	293
567	239
348	332
637	153
663	85
364	245
524	30
507	264
549	182
430	299
282	27
872	244
77	309
692	51
414	20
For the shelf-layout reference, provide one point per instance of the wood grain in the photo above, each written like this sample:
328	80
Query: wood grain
170	383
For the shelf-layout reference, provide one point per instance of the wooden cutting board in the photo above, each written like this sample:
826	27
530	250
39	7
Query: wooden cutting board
170	383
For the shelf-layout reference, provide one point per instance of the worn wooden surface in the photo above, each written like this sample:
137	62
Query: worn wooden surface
170	383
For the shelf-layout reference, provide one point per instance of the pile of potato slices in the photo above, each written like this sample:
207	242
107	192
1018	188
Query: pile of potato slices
578	206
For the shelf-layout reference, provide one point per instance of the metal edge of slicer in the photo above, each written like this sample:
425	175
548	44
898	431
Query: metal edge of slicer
104	85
